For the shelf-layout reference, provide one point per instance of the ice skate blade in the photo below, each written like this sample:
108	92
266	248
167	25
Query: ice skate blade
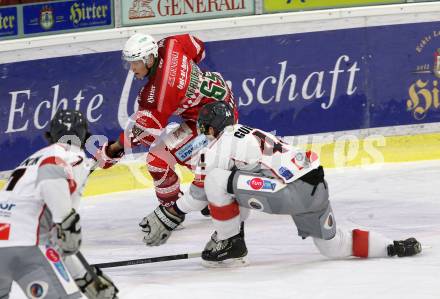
230	263
180	227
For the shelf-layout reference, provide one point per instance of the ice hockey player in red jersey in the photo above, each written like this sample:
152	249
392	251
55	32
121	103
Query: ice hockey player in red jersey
40	231
175	86
248	167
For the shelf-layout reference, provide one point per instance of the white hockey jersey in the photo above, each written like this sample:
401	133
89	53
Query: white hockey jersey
41	191
255	150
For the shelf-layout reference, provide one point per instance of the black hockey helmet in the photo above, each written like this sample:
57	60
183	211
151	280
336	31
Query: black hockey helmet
68	122
217	115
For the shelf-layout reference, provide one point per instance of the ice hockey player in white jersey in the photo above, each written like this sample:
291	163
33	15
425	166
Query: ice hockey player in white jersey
252	168
40	231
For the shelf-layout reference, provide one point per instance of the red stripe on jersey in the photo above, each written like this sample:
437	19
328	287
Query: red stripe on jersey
72	185
360	243
5	229
196	45
166	74
52	160
199	182
224	213
60	162
38	227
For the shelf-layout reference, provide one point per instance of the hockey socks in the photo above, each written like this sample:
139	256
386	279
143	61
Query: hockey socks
371	244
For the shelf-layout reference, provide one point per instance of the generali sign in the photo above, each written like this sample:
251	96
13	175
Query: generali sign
137	12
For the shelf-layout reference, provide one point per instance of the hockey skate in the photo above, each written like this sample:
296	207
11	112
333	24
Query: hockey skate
227	253
205	212
214	240
408	247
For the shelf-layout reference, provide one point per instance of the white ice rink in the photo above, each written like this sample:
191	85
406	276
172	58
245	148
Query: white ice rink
399	200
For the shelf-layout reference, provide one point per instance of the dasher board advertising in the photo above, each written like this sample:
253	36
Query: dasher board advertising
66	16
140	12
291	84
297	5
8	22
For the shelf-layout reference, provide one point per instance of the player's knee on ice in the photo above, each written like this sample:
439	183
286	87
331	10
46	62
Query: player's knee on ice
340	246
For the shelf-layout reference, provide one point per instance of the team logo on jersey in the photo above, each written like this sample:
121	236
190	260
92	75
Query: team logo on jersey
285	173
5	229
260	184
53	256
299	157
303	161
300	162
37	289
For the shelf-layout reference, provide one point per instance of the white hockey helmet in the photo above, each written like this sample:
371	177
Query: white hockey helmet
139	47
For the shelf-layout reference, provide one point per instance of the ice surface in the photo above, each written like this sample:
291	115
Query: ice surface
398	200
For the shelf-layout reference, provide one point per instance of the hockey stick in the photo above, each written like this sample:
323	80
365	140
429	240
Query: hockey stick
89	269
136	261
149	260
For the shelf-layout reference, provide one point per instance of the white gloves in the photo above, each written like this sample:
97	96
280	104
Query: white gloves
159	225
103	288
69	233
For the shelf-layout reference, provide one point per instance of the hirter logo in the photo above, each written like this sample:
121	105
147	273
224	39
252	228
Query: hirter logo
52	255
256	183
5	228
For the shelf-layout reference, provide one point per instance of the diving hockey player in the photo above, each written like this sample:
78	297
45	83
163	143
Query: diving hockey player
175	86
40	230
251	168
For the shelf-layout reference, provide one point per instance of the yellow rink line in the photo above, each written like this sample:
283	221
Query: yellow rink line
345	152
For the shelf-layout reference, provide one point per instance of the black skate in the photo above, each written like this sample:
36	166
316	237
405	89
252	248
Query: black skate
229	252
205	212
408	247
214	240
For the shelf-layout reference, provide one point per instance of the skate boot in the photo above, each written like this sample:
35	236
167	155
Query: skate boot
229	252
214	240
408	247
205	212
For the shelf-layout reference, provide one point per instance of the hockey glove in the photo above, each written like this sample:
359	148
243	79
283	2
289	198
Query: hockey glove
408	247
106	159
159	225
102	288
69	233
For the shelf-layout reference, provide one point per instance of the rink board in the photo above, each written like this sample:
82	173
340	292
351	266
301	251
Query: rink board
393	149
372	77
379	74
351	152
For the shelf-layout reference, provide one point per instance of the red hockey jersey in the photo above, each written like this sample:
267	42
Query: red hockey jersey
177	86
